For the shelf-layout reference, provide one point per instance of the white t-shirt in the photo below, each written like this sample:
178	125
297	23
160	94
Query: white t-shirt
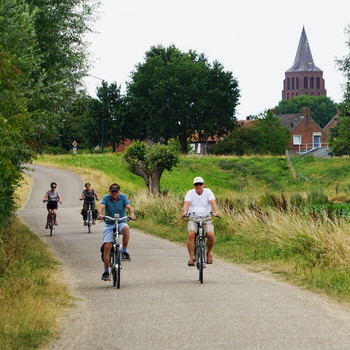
199	203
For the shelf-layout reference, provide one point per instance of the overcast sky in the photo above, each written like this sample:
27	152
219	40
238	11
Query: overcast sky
257	40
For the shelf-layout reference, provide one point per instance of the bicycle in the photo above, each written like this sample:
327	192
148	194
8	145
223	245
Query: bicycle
117	248
200	256
52	215
89	217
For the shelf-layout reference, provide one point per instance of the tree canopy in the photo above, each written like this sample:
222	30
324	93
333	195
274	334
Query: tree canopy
149	162
344	67
42	59
180	95
322	108
263	135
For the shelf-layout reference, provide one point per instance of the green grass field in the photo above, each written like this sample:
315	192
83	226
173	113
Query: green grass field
271	222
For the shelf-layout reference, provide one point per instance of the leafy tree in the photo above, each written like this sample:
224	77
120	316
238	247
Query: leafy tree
339	140
180	95
149	162
264	135
322	108
15	124
344	67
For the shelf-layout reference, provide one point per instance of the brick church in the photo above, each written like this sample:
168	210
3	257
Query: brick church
304	77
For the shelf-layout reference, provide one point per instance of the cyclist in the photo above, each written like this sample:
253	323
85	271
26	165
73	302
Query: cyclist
200	201
114	203
89	195
52	196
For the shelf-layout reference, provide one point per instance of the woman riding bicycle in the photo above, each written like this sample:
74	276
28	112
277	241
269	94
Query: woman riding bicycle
200	201
89	195
52	197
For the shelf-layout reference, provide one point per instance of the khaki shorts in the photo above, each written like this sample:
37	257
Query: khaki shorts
208	226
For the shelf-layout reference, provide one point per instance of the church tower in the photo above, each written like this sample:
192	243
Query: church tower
303	78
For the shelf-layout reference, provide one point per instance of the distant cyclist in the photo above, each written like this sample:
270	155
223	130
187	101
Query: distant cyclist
114	203
89	195
52	197
200	201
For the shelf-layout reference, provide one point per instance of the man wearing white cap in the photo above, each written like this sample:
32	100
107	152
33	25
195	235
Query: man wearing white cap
200	201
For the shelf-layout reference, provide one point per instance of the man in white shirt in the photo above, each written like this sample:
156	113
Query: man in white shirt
199	202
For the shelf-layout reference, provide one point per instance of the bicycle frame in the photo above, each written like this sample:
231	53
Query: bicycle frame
52	216
89	218
199	248
116	251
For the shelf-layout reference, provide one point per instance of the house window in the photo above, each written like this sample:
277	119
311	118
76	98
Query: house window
297	83
305	82
292	83
288	84
297	140
198	148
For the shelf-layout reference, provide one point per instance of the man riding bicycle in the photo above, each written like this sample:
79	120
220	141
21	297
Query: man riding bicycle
199	201
114	203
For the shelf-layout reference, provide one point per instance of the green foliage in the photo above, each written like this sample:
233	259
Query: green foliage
322	108
149	162
344	67
15	124
180	95
339	140
263	136
317	196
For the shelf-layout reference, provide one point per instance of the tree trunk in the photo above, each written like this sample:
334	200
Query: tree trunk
150	176
183	142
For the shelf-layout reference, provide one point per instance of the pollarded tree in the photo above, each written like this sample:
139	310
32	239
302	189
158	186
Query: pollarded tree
181	95
149	162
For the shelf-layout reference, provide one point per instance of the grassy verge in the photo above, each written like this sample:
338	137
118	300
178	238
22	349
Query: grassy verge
309	251
32	295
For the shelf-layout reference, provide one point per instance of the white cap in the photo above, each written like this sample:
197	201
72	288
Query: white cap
198	179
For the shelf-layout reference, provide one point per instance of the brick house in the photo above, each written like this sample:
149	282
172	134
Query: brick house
331	124
306	134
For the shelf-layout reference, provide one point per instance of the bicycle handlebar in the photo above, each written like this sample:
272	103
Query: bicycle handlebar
128	218
52	200
200	216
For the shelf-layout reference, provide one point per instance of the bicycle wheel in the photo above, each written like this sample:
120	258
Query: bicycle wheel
201	258
119	266
89	220
51	223
114	267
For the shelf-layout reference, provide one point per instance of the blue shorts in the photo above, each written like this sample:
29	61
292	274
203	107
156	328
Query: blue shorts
108	231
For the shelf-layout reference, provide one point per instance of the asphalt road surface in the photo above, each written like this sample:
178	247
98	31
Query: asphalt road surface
161	304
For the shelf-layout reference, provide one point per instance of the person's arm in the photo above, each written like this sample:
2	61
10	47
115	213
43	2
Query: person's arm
59	198
100	211
82	196
186	206
131	211
45	197
214	207
96	196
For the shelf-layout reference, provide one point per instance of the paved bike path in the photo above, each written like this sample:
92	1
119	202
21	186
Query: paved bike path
160	304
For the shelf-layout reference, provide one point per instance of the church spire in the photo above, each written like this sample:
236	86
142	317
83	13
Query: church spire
303	61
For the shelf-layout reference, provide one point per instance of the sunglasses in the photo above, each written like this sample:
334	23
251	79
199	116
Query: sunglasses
115	191
53	186
198	184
